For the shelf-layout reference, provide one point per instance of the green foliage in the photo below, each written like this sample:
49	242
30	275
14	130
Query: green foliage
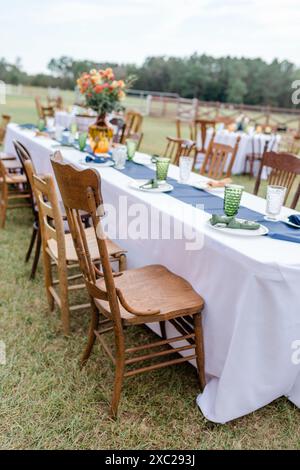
225	79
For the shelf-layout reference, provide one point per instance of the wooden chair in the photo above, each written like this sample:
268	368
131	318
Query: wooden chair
133	125
290	143
257	153
120	125
189	129
58	248
35	240
5	121
13	187
134	297
56	103
296	198
200	127
177	148
285	167
217	157
43	111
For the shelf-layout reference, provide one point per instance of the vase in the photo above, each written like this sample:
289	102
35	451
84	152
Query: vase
101	135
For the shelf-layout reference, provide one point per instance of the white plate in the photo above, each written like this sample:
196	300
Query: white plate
142	159
262	230
286	221
205	186
163	188
97	165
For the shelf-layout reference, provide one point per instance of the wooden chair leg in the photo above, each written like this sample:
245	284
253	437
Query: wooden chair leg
31	245
3	204
245	166
251	173
162	325
119	373
36	255
199	349
122	263
91	336
3	216
64	298
48	279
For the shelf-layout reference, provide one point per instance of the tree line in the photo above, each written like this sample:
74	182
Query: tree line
224	79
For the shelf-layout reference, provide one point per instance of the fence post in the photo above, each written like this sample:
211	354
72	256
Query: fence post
148	105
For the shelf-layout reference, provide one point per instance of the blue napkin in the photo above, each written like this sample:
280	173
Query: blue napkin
97	159
27	126
295	219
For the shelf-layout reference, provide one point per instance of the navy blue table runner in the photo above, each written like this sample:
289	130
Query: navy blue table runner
212	203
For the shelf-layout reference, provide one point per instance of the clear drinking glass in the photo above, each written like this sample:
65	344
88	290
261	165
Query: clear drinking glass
232	199
162	168
50	123
185	168
275	199
119	156
131	148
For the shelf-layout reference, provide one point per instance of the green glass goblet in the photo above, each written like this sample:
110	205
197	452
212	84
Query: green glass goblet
131	148
82	141
162	168
41	125
232	199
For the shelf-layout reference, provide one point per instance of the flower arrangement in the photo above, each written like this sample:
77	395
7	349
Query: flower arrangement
103	93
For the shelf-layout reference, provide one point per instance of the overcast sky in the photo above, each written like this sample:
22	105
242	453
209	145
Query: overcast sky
130	30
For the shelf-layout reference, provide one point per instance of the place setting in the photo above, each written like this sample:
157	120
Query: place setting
229	223
157	184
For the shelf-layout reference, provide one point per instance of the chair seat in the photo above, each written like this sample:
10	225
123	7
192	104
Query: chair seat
113	248
153	288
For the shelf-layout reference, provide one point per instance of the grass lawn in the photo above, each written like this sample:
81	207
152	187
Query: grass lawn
46	402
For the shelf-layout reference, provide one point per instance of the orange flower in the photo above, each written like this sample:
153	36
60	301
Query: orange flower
98	88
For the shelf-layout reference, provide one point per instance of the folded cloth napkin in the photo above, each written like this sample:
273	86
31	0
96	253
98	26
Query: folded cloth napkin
151	184
97	159
219	183
232	222
295	219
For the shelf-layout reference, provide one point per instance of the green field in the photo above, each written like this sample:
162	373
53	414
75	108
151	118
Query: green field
46	402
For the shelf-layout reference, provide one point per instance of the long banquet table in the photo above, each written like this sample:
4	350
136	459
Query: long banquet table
251	288
249	143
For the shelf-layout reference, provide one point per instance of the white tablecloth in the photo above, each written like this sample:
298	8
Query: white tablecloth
251	289
248	144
